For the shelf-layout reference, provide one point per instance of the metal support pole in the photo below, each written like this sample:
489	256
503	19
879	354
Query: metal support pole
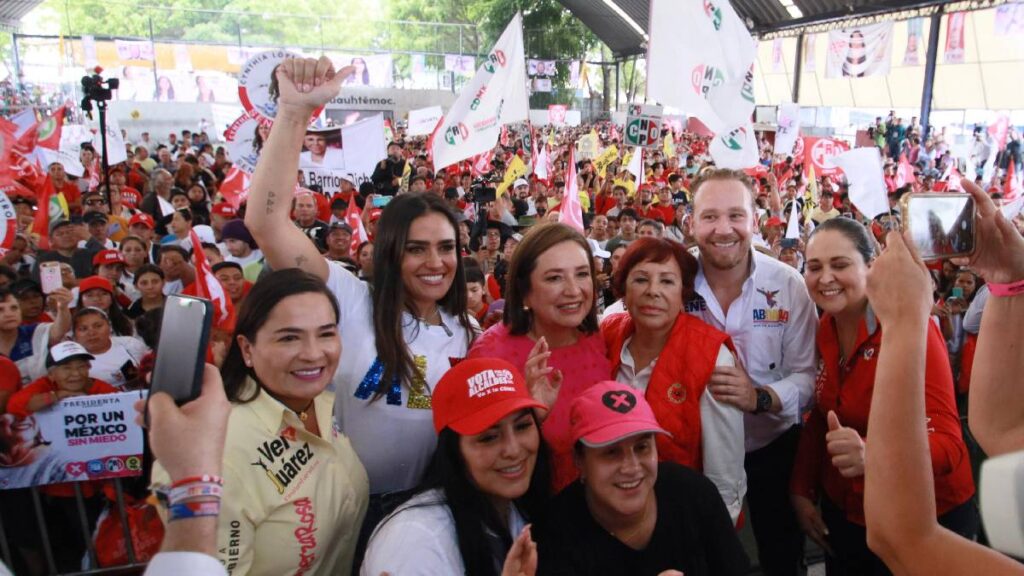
83	518
929	74
616	84
101	105
798	67
17	62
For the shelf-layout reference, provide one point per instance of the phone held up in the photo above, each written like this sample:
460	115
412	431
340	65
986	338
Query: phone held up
184	335
941	225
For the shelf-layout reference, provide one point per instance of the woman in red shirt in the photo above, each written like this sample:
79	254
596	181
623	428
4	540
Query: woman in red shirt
830	460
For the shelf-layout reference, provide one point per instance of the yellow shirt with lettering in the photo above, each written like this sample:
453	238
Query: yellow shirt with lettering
293	502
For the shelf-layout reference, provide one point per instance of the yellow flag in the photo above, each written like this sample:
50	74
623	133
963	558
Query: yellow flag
627	184
669	146
516	169
605	159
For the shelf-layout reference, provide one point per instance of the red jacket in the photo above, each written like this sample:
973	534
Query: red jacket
847	390
603	203
678	381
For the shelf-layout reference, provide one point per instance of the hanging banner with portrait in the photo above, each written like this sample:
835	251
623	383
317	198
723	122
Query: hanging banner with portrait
859	52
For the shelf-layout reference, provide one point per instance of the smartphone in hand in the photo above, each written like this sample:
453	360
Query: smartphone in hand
181	350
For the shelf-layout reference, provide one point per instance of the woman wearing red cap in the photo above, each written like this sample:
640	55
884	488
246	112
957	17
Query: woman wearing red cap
97	292
487	479
630	514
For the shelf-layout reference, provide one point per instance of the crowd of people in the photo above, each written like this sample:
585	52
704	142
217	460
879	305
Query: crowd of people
472	386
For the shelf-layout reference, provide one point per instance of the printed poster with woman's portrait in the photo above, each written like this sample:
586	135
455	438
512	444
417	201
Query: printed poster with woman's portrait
859	52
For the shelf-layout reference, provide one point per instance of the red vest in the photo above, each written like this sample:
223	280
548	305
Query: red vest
677	384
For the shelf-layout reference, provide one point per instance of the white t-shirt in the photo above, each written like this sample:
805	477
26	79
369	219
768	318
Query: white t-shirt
123	350
395	441
419	538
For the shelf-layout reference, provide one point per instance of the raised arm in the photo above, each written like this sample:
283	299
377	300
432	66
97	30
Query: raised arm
304	85
899	494
996	408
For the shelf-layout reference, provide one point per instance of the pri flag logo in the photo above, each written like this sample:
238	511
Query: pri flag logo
734	140
714	13
705	78
456	133
747	90
496	57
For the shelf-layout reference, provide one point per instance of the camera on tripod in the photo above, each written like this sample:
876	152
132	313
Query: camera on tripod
97	89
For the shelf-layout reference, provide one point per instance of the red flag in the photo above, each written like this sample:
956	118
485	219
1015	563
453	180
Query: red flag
235	187
503	139
1000	130
94	174
207	286
41	224
353	217
482	163
7	141
1012	187
49	130
430	140
904	172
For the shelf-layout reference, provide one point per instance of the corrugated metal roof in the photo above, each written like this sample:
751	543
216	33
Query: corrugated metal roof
761	16
12	11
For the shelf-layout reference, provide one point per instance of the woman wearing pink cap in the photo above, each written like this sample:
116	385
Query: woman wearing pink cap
630	514
487	478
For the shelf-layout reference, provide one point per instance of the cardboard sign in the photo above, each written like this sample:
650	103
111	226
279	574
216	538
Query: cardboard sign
605	159
643	126
78	439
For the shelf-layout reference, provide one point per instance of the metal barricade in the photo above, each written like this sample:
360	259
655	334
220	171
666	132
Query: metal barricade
49	564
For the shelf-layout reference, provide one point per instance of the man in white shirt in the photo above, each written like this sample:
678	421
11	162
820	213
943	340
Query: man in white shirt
764	307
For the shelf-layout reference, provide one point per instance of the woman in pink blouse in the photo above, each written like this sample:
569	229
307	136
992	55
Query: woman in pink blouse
550	320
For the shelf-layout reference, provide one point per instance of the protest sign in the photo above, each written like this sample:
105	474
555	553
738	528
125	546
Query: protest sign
79	438
423	121
605	159
245	139
643	126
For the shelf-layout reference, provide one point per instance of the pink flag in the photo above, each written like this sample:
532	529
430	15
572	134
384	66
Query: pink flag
571	213
1012	188
207	286
904	173
1000	130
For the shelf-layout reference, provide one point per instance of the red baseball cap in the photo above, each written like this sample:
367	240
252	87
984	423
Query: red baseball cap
608	412
144	219
477	393
107	257
226	210
93	282
775	221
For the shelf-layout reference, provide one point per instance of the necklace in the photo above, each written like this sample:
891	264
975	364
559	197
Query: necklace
304	413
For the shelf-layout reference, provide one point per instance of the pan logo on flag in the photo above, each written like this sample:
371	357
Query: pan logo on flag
455	133
714	13
705	78
734	140
496	57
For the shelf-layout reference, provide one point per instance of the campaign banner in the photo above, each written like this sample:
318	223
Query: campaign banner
1009	20
245	138
424	120
463	65
367	145
556	114
89	51
541	84
182	59
371	70
255	81
858	52
587	146
778	65
911	57
8	224
810	62
134	50
541	67
69	159
789	128
954	52
643	125
77	439
819	152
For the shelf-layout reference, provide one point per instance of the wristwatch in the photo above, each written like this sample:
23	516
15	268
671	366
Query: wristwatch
764	401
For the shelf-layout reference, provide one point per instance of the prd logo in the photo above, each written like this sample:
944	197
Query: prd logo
47	129
456	132
705	78
496	57
734	140
714	13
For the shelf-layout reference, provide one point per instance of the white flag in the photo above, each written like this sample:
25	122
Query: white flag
700	60
364	144
793	226
495	96
636	165
116	152
789	128
1011	209
66	158
540	163
735	149
863	169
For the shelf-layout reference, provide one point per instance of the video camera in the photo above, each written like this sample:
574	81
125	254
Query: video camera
481	191
97	89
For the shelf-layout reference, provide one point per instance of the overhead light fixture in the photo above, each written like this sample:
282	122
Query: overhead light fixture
622	14
794	11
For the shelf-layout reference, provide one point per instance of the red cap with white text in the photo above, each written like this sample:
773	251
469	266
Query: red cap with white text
477	393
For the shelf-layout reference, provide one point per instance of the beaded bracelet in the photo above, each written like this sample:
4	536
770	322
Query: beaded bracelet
188	510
